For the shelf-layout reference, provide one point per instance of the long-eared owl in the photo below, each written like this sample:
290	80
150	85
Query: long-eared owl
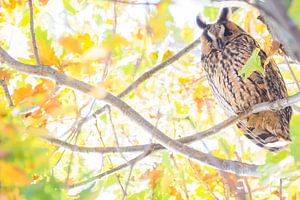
225	50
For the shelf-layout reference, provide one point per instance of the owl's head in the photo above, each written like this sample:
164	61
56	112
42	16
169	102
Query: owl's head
218	34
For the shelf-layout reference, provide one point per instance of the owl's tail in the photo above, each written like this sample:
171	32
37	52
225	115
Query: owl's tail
266	130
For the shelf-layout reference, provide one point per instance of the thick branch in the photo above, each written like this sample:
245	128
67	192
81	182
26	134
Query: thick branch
175	146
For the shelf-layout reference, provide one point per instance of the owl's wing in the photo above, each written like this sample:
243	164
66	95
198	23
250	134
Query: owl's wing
277	90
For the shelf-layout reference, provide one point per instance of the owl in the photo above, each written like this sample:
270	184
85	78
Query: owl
225	50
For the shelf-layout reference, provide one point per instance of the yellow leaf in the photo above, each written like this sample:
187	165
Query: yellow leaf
158	20
21	94
114	41
46	53
12	4
71	44
187	33
86	41
184	80
11	175
167	55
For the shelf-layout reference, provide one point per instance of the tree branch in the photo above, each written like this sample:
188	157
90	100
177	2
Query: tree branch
241	169
35	50
111	171
6	91
158	67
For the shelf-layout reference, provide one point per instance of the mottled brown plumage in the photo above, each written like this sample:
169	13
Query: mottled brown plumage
225	50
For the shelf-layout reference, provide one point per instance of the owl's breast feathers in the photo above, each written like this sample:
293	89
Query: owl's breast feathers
237	94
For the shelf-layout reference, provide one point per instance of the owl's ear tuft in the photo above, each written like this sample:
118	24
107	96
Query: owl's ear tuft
224	15
201	23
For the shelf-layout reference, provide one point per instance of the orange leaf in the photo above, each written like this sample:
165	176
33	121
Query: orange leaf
46	53
22	93
153	176
45	86
71	44
43	2
175	193
5	74
11	175
52	106
12	4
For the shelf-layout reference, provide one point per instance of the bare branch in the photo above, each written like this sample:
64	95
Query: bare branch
111	171
280	189
6	91
35	50
292	72
245	179
181	176
202	182
127	182
158	67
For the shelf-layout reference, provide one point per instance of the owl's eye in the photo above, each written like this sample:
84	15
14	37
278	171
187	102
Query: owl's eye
227	32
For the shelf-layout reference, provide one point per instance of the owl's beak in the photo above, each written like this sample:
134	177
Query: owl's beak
220	43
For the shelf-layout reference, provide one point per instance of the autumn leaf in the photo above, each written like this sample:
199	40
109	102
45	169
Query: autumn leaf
22	93
71	44
46	52
253	64
114	41
5	74
12	4
159	19
11	175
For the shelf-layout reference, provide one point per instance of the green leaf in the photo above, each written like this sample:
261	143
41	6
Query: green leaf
25	20
89	193
272	166
211	13
69	6
294	11
253	64
295	134
166	161
44	189
139	195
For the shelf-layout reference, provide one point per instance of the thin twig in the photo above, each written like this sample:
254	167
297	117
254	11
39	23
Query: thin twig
202	182
280	190
109	159
115	133
292	72
182	175
127	182
6	91
35	49
158	67
111	171
245	179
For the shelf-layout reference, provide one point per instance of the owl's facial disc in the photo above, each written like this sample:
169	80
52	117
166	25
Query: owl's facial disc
216	34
